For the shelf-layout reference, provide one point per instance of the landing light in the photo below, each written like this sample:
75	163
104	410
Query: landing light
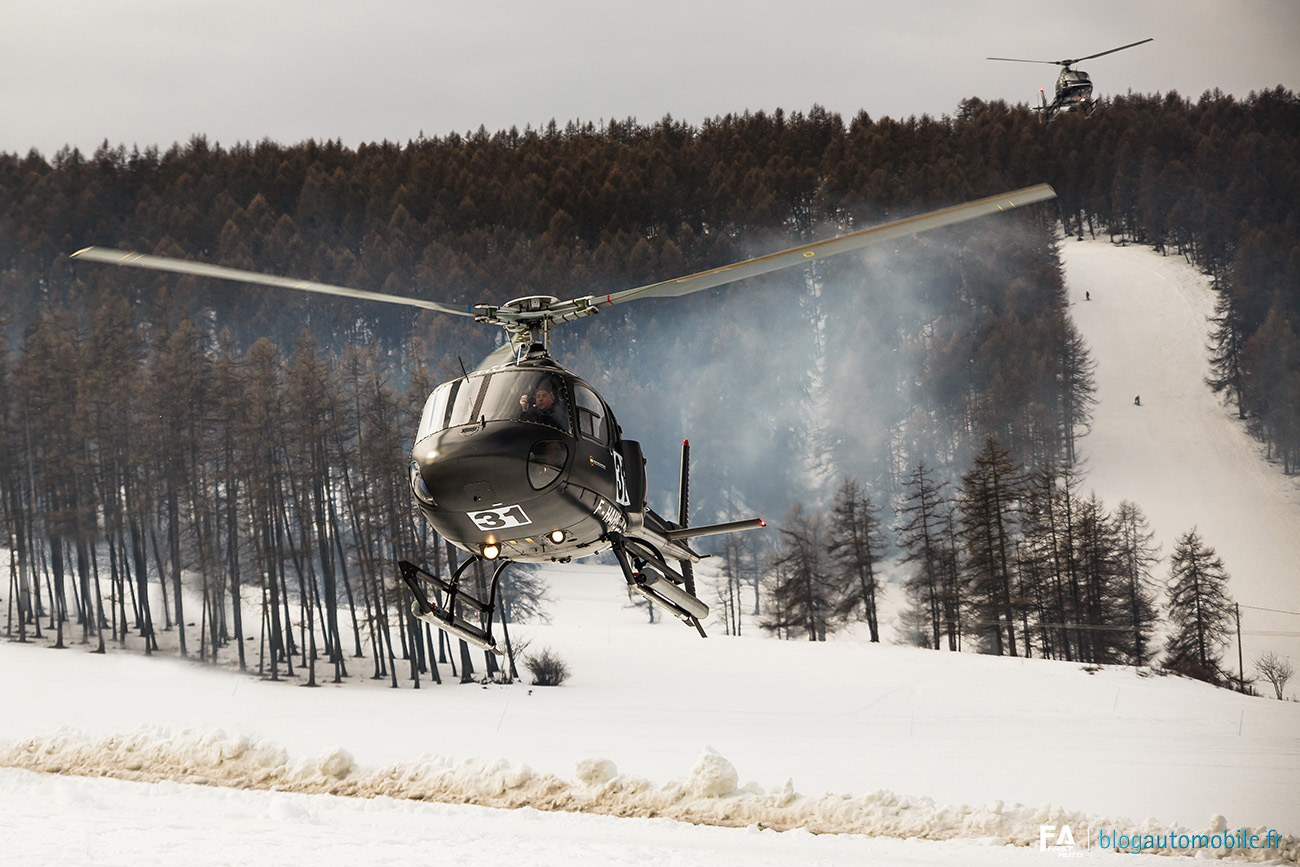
557	536
418	487
491	551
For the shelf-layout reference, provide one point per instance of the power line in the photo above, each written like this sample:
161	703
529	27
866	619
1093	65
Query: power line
1274	610
1102	626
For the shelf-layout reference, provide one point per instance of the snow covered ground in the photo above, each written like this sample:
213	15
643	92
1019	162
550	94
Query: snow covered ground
705	752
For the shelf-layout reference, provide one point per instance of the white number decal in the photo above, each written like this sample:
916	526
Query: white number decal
499	519
620	481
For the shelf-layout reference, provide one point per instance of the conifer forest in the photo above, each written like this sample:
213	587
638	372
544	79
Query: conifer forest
172	444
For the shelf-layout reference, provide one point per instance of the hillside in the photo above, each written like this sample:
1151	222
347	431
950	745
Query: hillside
591	208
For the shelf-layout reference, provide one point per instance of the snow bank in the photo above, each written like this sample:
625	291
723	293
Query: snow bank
710	794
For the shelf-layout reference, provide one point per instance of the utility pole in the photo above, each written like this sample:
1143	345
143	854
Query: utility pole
1241	668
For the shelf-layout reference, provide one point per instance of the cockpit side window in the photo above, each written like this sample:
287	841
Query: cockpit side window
591	414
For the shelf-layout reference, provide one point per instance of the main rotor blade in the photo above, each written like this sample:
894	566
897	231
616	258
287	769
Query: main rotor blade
1112	51
200	269
1077	59
1021	60
830	247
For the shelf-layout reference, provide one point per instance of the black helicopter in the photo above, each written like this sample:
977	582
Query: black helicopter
1073	86
521	461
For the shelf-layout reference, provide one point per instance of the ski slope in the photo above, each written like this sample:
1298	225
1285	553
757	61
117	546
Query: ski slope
1182	455
665	749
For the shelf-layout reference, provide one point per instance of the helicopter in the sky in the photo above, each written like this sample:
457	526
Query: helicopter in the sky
521	461
1073	86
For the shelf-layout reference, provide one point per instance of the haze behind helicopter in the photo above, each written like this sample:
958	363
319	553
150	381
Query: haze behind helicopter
148	73
787	383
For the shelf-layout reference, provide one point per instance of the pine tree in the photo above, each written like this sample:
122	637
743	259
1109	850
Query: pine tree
730	583
855	546
1048	558
1271	362
1104	635
1138	556
261	468
802	595
990	496
1078	387
925	534
53	437
1200	611
111	387
230	402
1226	343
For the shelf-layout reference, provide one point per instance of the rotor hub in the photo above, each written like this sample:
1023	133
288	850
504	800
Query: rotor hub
528	320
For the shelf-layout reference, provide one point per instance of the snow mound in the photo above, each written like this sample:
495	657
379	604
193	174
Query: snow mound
713	776
710	794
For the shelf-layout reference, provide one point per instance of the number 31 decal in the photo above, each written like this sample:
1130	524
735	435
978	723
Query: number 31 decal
499	519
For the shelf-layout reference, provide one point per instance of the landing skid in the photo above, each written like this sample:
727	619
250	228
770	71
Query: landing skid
644	569
436	613
648	574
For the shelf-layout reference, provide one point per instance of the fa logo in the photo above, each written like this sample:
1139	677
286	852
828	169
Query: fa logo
1063	842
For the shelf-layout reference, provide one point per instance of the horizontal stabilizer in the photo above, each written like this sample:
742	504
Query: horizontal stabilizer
680	533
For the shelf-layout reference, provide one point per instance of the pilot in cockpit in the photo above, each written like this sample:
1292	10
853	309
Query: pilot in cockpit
541	406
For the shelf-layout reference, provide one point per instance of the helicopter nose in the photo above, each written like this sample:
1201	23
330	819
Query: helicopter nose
468	482
487	468
481	492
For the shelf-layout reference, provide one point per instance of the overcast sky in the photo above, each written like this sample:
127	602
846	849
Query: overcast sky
154	72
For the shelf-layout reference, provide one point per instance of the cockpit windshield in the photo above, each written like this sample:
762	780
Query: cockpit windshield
505	395
527	395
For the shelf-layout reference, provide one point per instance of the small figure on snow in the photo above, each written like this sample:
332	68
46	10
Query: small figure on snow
1137	401
1087	296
